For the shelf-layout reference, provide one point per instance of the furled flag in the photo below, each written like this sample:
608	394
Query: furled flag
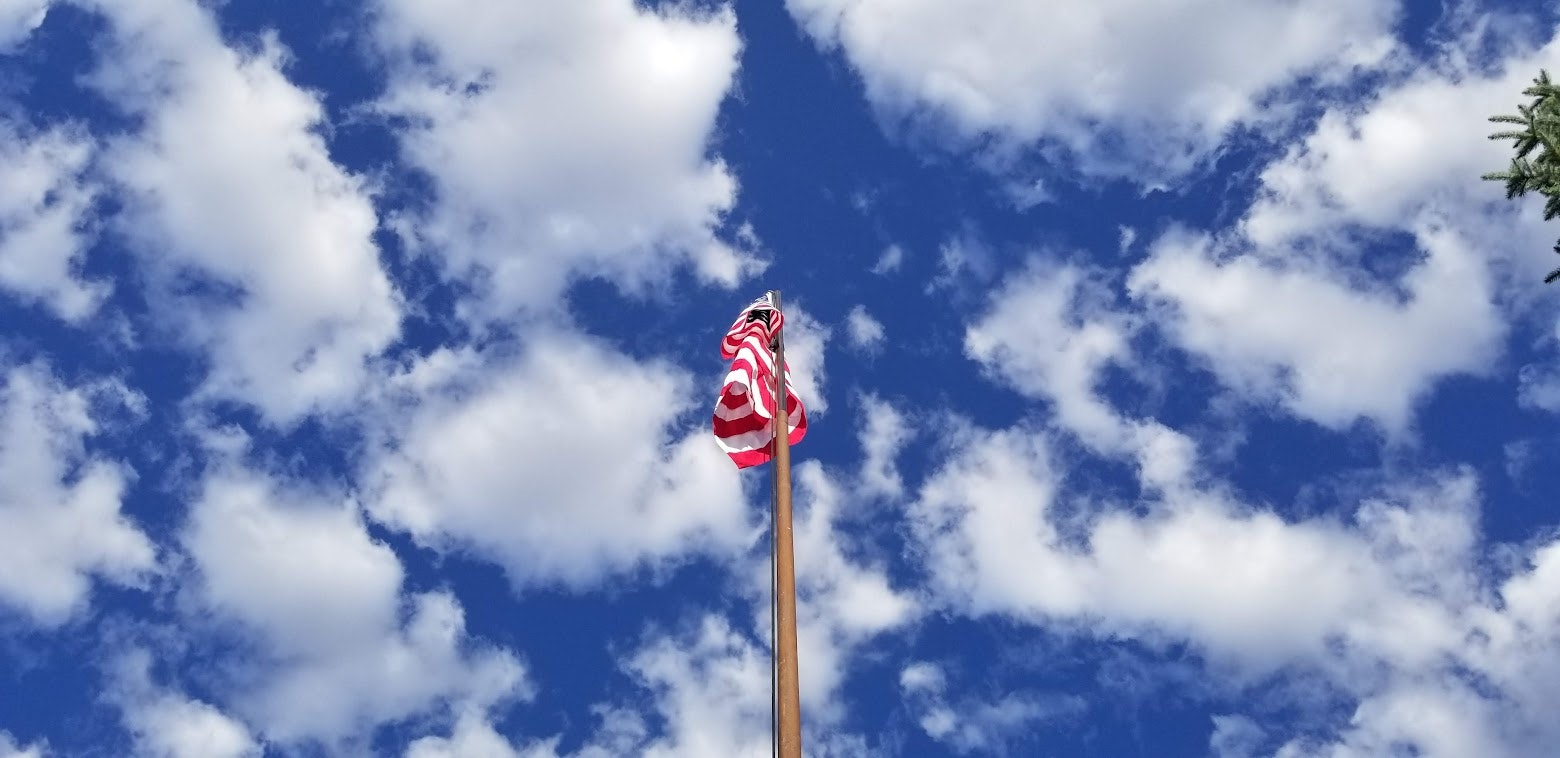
747	401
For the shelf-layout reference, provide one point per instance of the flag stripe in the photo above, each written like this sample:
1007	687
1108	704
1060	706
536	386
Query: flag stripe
746	406
760	319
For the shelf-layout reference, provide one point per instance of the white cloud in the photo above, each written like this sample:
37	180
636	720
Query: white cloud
806	338
864	331
996	546
1281	308
1235	737
1391	163
1027	194
711	692
472	737
1123	86
167	724
340	648
1388	160
709	687
539	465
1443	718
60	523
987	544
712	689
892	258
1047	333
962	261
1387	599
18	19
258	248
335	582
923	676
710	684
475	737
842	601
1389	605
10	749
44	201
620	732
565	141
969	725
1128	236
1538	386
883	434
1305	337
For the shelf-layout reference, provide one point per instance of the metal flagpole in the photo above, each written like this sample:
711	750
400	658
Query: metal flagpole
788	693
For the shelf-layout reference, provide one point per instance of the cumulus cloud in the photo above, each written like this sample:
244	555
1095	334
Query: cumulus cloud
10	749
712	688
1388	601
1127	236
864	331
995	543
534	464
977	726
60	520
1281	308
883	434
472	736
18	19
709	690
964	264
1306	338
1048	334
1389	164
44	203
1299	335
891	259
1440	717
619	732
339	647
1285	308
1027	194
843	600
1386	161
565	141
709	682
1538	386
1121	87
806	339
257	246
168	724
1235	737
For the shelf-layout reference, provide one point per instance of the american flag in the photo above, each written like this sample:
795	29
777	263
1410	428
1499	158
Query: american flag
747	401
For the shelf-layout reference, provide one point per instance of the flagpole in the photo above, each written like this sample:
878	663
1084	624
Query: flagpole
788	696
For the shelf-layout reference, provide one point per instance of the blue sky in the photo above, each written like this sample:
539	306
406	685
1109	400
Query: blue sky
1175	387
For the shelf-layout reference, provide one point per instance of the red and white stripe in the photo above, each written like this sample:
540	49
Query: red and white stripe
746	408
760	318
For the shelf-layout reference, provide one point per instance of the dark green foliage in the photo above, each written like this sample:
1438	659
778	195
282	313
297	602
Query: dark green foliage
1536	166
